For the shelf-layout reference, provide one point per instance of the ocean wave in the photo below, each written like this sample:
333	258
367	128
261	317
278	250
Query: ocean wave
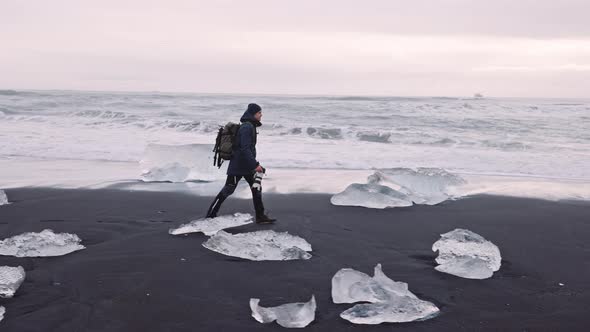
421	122
324	133
295	131
436	142
122	118
169	113
103	114
8	92
375	137
353	98
189	126
398	135
506	146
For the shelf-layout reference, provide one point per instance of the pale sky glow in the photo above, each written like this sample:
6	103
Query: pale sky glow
439	47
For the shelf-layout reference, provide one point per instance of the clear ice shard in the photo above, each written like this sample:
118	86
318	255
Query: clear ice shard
466	254
42	244
3	197
389	301
210	226
171	172
400	309
400	187
371	195
424	185
10	280
290	315
179	163
260	246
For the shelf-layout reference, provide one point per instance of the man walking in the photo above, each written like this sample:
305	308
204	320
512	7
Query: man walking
243	164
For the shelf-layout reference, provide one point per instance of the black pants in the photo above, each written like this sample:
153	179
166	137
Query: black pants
230	186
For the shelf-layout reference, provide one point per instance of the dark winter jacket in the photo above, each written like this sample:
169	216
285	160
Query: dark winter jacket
243	161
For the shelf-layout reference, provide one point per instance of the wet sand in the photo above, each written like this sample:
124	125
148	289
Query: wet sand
134	276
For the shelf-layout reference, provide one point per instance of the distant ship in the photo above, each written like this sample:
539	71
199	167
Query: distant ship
478	95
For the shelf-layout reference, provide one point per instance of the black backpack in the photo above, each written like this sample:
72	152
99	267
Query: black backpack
224	143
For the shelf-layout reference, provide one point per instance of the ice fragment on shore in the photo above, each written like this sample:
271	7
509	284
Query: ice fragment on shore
466	254
390	301
210	226
179	163
371	195
10	280
3	197
350	286
399	187
45	243
424	185
172	172
290	315
260	246
400	309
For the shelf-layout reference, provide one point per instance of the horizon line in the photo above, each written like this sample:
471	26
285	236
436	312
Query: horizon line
283	94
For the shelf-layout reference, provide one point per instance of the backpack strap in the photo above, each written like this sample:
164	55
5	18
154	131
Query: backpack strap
216	156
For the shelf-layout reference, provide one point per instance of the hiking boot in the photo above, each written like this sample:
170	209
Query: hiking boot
264	219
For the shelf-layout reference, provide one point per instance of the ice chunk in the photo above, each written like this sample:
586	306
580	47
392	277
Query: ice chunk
399	187
45	243
467	267
292	315
172	172
400	309
424	185
210	226
466	254
3	197
10	280
260	246
2	312
350	286
371	195
390	301
179	163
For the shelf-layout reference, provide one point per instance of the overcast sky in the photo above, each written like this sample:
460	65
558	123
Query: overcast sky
507	48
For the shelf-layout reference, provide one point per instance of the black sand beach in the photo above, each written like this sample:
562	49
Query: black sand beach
132	277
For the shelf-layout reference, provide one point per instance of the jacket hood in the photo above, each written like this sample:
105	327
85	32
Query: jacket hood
249	115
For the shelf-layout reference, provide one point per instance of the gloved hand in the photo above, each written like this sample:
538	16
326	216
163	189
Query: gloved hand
259	169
